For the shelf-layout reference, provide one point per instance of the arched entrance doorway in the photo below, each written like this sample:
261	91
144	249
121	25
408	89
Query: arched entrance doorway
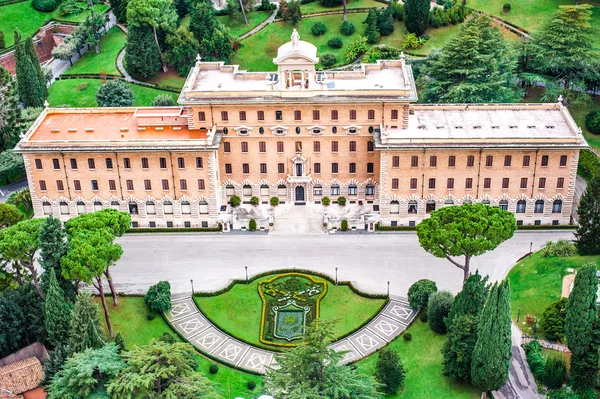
299	193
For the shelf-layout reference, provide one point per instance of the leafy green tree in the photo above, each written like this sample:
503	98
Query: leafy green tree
582	328
182	50
9	215
389	370
91	28
312	370
492	353
416	16
85	312
563	56
182	7
292	12
120	342
158	297
467	230
553	320
161	370
470	300
142	59
21	197
10	113
58	312
155	14
55	362
458	349
215	41
385	20
83	373
371	31
419	293
163	100
30	82
114	93
11	165
587	236
438	309
476	67
115	5
53	246
18	245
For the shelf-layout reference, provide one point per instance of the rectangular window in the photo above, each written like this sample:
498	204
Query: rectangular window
245	168
353	146
297	115
199	163
201	185
414	161
224	116
432	184
370	146
202	116
228	169
370	167
544	162
505	182
94	185
129	184
316	115
451	161
542	182
413	184
371	114
260	115
144	163
127	163
334	146
278	115
38	164
280	168
112	185
147	185
280	146
244	146
165	185
470	161
489	161
55	164
432	161
183	184
77	185
450	184
394	114
395	183
163	163
109	163
262	146
560	182
526	160
469	183
226	146
242	115
395	161
298	146
317	146
263	168
523	182
352	167
352	115
317	167
60	186
507	160
42	185
334	167
91	163
563	160
487	183
73	164
334	115
181	163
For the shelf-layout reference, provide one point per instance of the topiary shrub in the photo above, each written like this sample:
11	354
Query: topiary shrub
336	42
83	86
254	201
535	360
214	369
344	225
235	201
559	248
274	201
151	316
407	336
168	338
347	28
318	29
158	297
328	60
592	121
506	7
326	201
438	309
114	93
419	292
45	5
423	315
389	371
251	384
163	100
252	225
553	320
555	372
341	201
330	3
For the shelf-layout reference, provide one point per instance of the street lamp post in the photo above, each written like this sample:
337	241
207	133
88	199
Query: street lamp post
530	247
336	280
388	288
192	282
519	314
246	267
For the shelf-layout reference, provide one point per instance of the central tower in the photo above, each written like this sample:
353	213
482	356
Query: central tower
296	62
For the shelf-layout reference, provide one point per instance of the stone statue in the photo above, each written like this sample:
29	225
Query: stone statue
295	40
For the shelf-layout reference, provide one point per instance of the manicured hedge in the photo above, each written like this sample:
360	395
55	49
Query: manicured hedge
547	227
175	229
589	164
379	227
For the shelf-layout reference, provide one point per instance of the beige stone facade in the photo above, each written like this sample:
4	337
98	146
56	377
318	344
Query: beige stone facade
302	135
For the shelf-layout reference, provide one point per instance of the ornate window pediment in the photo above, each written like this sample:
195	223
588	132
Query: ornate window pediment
279	130
316	129
242	130
352	129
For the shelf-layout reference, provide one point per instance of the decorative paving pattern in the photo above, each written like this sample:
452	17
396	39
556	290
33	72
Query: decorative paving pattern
185	317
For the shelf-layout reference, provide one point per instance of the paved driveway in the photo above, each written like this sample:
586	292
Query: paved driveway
369	259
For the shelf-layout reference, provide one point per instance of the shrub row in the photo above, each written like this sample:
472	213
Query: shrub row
175	229
551	372
560	248
379	227
588	165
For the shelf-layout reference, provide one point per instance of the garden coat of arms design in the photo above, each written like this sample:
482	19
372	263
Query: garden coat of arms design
290	302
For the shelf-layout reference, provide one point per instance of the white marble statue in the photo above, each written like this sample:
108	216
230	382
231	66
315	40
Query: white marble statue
295	40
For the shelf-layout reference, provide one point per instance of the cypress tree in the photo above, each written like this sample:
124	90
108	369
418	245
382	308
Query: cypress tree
214	39
142	59
371	33
416	16
470	300
492	353
58	312
581	327
10	113
35	61
92	338
120	342
587	235
27	77
458	349
53	246
85	312
54	363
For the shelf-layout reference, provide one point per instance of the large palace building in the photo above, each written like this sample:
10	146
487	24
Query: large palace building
302	135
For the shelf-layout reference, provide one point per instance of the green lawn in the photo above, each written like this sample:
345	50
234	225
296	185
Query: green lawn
129	318
316	6
422	358
536	282
29	21
106	60
169	78
66	92
239	310
237	29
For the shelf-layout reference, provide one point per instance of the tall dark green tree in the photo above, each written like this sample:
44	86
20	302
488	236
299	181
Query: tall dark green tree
390	371
58	312
216	43
53	246
587	236
31	83
492	353
581	328
182	50
10	113
81	335
371	32
470	300
142	59
30	48
458	348
416	16
476	67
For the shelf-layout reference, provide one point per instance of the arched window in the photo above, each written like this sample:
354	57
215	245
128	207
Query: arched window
430	206
352	189
282	190
80	208
150	208
504	205
335	190
264	190
521	206
412	207
47	208
247	190
318	191
115	205
97	206
64	208
168	207
485	202
186	208
133	208
229	190
394	207
203	207
557	206
539	206
370	189
449	202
